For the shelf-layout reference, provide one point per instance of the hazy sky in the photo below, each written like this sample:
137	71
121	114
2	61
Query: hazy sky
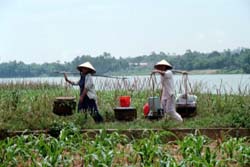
50	30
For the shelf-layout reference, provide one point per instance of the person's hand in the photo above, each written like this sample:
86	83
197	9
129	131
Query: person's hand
153	72
184	72
81	99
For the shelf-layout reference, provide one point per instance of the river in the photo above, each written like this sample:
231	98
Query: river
214	83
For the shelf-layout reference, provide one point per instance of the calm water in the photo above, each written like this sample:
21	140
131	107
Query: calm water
216	83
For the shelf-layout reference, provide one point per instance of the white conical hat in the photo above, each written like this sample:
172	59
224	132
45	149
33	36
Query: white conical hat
87	65
163	63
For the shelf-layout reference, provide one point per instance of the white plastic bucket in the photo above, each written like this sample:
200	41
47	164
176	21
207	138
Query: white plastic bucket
154	103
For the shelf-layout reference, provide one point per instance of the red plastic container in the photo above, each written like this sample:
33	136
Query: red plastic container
125	101
146	109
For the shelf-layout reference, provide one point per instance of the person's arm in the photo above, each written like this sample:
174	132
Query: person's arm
67	80
181	72
158	71
87	86
83	94
161	94
161	73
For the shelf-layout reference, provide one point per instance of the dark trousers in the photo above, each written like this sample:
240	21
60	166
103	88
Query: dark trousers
90	105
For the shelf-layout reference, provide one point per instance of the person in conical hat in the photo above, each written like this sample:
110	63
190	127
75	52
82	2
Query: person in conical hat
163	63
168	92
86	66
88	97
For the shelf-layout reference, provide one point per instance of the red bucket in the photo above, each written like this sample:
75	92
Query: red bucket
125	101
146	109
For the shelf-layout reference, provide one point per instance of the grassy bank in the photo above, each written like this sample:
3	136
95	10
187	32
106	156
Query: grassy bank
30	105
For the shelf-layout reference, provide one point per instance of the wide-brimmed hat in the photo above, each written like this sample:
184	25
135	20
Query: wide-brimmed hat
163	63
88	66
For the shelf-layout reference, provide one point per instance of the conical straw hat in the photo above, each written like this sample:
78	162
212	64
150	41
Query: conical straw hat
88	66
163	63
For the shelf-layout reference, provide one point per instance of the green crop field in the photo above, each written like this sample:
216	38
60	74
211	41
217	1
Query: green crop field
28	106
72	148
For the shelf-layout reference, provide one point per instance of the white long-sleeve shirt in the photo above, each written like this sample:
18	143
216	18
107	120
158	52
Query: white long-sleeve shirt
167	82
89	85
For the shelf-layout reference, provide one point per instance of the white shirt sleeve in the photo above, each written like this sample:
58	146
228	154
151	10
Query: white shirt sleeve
167	85
168	74
89	82
89	85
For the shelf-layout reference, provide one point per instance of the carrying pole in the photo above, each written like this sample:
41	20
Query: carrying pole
96	75
153	78
185	82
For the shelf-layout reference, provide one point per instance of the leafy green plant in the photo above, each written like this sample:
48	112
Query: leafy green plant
114	149
149	149
236	150
240	117
195	151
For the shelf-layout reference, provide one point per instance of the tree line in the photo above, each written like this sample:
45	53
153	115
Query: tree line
235	61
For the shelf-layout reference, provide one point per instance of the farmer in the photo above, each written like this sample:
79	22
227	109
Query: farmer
167	92
88	97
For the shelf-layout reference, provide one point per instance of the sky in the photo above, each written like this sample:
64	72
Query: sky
39	31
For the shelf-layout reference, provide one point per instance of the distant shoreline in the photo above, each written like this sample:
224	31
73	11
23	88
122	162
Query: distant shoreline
147	72
191	72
